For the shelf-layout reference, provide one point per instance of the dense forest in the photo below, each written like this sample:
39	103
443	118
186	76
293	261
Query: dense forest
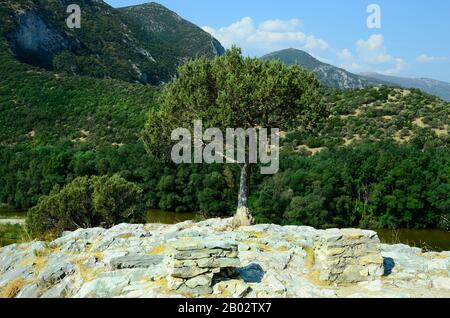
357	168
380	159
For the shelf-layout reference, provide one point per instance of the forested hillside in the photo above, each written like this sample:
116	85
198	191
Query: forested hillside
133	44
381	159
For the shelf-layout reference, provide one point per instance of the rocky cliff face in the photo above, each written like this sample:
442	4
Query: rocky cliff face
35	42
327	74
208	259
428	85
137	44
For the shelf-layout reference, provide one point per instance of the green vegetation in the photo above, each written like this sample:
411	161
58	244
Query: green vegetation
380	159
112	43
170	39
233	91
57	128
87	202
370	184
378	113
11	233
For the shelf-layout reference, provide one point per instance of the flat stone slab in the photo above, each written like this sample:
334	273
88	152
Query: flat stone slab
136	261
260	261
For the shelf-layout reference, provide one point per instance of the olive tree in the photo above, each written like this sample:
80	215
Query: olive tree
233	91
87	202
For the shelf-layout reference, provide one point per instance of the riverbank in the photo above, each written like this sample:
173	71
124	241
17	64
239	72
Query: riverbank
154	260
12	221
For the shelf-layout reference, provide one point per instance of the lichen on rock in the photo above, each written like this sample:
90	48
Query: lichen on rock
210	259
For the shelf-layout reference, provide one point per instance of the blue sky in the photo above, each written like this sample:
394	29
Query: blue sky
413	39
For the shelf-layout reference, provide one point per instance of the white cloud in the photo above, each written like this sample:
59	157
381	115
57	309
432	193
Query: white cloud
425	58
280	25
371	55
345	55
268	36
368	55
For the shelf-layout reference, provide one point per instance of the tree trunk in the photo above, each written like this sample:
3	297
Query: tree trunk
243	216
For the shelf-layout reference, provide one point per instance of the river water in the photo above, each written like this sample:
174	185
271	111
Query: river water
436	240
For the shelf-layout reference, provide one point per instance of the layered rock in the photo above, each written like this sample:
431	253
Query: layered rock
348	256
208	259
194	263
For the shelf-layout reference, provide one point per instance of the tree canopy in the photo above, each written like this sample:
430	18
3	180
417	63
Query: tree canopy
233	91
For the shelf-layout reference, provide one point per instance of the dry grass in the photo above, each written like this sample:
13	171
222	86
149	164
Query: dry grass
434	255
256	235
282	249
313	151
126	235
98	256
314	277
264	247
419	122
310	257
86	274
42	257
40	263
358	112
401	139
49	236
441	131
157	250
349	141
11	289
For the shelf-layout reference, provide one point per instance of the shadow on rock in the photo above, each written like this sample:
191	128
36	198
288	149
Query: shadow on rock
252	273
388	265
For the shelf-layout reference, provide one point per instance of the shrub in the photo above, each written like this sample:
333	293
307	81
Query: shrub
87	202
315	142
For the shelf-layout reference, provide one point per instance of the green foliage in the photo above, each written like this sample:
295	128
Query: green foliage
234	91
87	202
140	43
378	113
11	233
169	38
231	91
370	184
214	197
57	127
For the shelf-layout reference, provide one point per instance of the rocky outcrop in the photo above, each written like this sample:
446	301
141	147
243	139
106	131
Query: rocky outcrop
35	42
348	256
195	262
210	259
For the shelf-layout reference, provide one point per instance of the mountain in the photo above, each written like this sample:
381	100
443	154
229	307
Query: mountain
327	74
377	114
431	86
153	22
335	77
145	43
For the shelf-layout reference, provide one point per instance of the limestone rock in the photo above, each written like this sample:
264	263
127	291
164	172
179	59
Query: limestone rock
441	282
210	257
136	261
194	261
348	256
232	288
29	291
